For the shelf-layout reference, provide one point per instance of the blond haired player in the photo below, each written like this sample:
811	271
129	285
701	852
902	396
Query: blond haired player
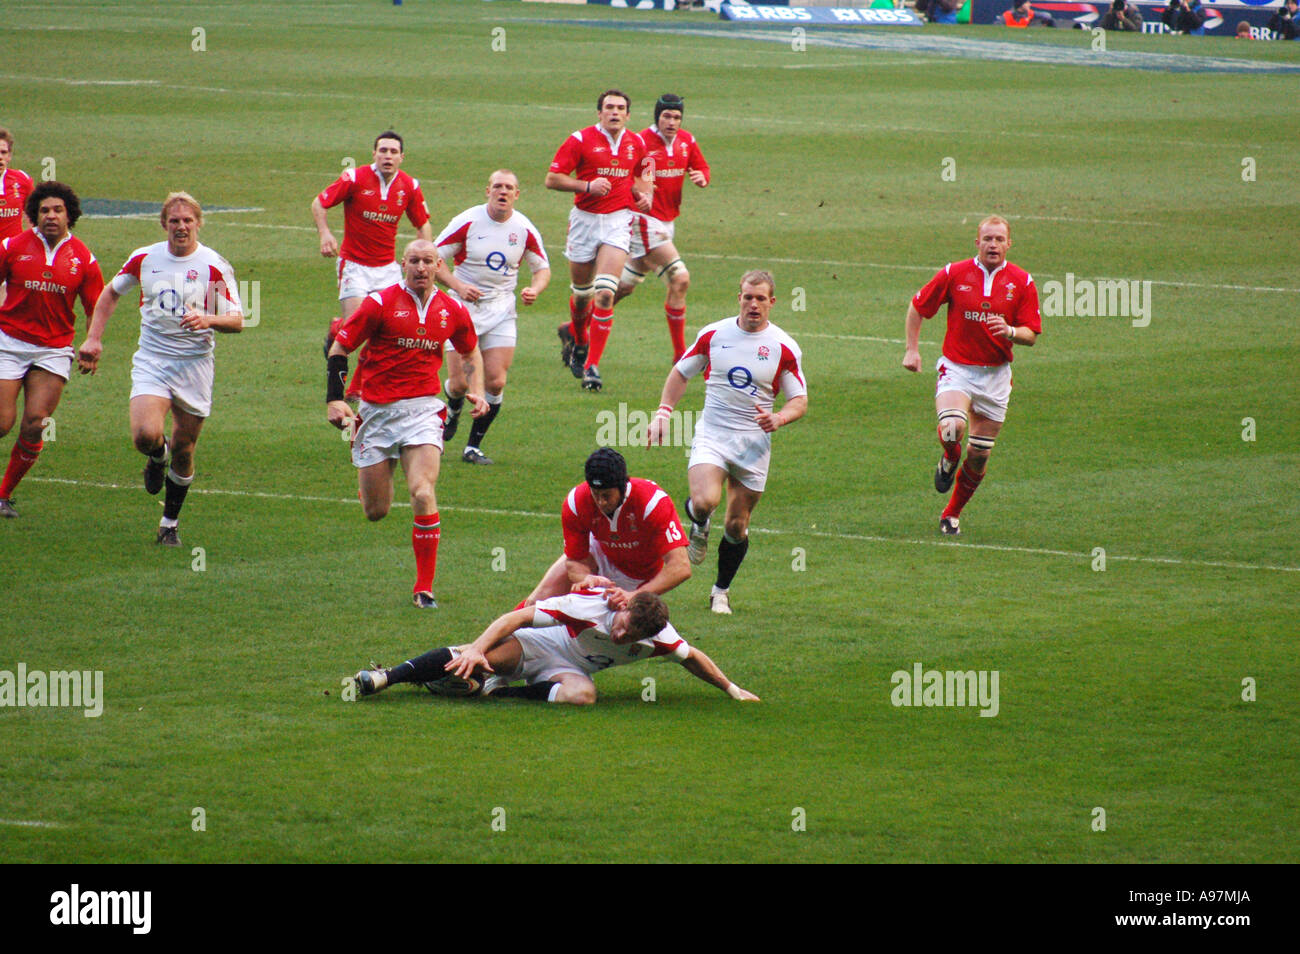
748	361
992	305
187	294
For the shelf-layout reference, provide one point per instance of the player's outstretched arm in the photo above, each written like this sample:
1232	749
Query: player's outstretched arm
93	347
475	655
673	390
912	349
701	666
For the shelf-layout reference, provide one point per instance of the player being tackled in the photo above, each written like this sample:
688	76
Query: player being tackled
554	647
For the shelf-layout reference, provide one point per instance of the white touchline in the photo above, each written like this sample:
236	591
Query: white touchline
865	538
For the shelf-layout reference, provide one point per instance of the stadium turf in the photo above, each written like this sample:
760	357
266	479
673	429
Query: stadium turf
1128	568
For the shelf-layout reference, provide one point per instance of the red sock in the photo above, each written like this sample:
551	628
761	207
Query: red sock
951	449
21	459
967	482
677	330
424	541
602	322
578	319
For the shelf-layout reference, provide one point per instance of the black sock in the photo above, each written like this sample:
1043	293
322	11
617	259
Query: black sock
536	690
174	498
479	430
456	404
426	668
730	556
690	514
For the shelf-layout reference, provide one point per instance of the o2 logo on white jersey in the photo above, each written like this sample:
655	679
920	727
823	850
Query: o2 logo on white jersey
169	300
497	262
742	379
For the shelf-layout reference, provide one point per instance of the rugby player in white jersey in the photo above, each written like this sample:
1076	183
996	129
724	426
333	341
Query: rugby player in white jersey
187	292
554	647
486	244
748	360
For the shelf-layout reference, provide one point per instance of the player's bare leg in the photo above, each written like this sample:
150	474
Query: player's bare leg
41	393
666	263
979	446
608	266
741	502
953	409
705	483
420	463
496	369
431	667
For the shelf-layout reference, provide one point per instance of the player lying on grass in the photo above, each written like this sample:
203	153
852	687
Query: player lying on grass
554	646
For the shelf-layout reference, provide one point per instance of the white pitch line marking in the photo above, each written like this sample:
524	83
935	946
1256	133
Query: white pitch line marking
866	538
154	215
25	823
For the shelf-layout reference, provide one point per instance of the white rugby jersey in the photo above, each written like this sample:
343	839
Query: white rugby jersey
742	369
589	622
486	253
170	286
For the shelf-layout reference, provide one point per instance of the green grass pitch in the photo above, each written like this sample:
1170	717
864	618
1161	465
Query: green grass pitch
1120	688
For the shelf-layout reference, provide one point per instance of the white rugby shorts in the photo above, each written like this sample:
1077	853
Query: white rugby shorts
648	233
494	323
386	428
186	382
358	281
547	653
588	231
17	357
744	455
989	388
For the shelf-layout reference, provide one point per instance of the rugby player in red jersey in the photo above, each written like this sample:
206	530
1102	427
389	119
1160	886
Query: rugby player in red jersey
44	270
405	327
604	165
992	305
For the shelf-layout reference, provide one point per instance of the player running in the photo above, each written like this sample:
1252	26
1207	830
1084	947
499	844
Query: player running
618	532
15	187
400	417
675	156
605	166
555	647
187	293
992	305
486	244
747	360
44	271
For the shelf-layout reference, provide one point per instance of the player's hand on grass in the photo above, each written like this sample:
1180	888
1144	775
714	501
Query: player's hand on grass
468	660
742	695
339	414
912	360
480	405
88	355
